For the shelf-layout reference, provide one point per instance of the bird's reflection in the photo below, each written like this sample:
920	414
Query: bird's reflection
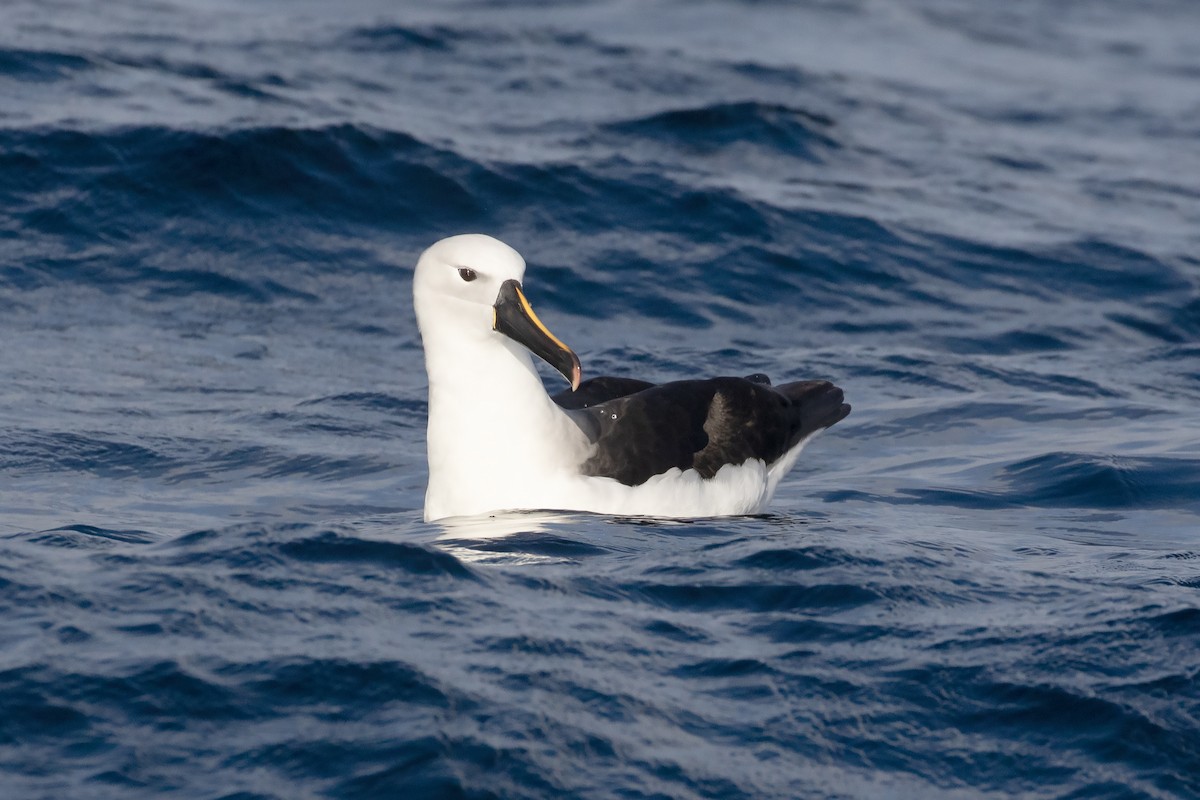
566	536
511	537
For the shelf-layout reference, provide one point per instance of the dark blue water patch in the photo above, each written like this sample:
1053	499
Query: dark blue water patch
327	173
1151	326
359	413
534	645
1056	383
213	459
453	768
283	556
1047	339
795	630
333	688
1187	317
355	174
1086	480
1013	28
759	597
164	284
1178	362
89	537
438	39
324	172
399	38
617	195
535	544
975	414
817	269
421	766
676	632
1111	188
791	132
724	668
912	373
363	418
330	547
323	423
161	695
1174	319
1091	268
1111	732
1016	163
1066	480
801	560
36	452
258	87
373	401
671	306
740	256
278	170
28	712
1180	622
129	181
41	65
195	70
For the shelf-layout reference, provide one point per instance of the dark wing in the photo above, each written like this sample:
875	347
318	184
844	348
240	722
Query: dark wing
598	390
703	425
595	391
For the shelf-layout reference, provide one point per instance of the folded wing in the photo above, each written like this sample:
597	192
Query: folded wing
641	430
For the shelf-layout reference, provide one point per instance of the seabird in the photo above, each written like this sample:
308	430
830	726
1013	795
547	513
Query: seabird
498	441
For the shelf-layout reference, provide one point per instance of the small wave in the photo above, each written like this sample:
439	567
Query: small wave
795	631
398	38
789	131
724	668
279	686
35	452
41	65
531	544
35	711
215	458
338	172
1105	481
992	373
800	560
1181	622
188	188
1108	728
371	401
753	597
90	537
330	547
170	283
261	88
1047	340
1089	269
1070	480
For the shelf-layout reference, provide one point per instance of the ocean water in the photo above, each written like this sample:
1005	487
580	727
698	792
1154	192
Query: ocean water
982	220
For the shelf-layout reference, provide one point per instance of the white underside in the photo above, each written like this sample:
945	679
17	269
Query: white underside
745	488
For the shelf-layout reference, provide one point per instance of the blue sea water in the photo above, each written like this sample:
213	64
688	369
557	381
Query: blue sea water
980	219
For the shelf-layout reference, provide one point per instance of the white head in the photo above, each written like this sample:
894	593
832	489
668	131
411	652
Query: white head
460	277
467	289
478	330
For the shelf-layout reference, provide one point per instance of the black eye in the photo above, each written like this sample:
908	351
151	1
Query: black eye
467	274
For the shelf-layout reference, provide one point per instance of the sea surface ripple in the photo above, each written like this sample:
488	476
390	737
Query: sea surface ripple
982	221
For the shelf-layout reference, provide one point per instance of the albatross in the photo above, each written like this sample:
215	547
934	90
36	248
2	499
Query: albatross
498	441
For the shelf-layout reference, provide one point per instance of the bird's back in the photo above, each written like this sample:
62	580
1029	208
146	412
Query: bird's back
640	430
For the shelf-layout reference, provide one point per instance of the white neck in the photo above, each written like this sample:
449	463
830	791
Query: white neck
495	438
